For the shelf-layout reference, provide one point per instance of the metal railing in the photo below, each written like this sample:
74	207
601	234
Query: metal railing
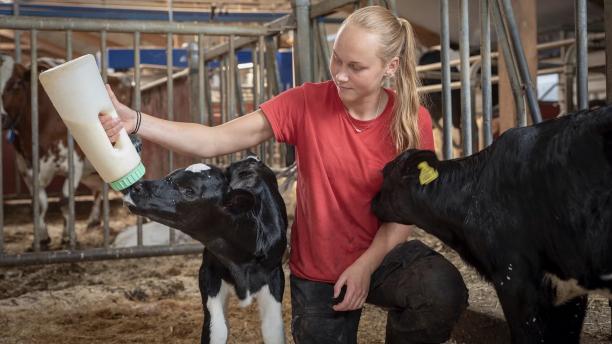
262	41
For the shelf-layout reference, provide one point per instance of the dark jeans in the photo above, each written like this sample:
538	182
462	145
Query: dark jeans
422	291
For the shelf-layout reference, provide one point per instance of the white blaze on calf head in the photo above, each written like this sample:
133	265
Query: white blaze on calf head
196	168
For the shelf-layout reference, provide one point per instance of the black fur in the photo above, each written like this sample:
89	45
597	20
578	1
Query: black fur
237	214
537	201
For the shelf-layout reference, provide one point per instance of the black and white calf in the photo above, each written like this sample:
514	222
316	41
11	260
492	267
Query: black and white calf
532	213
240	217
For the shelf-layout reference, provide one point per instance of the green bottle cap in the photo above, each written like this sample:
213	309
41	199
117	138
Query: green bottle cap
129	179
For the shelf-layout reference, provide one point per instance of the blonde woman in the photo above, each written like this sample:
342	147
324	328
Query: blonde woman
345	130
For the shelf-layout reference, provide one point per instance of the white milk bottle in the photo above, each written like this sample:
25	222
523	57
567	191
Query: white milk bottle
78	94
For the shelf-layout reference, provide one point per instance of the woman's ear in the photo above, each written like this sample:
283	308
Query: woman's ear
392	67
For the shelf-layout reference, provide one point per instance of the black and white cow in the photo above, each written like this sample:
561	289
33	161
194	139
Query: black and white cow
16	115
532	213
240	217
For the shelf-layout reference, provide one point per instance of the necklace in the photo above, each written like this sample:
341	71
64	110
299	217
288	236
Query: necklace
351	119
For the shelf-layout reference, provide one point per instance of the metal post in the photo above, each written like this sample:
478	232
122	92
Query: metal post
324	49
137	104
304	51
466	109
70	141
261	70
17	37
510	62
485	70
105	203
35	142
170	104
608	25
261	66
201	71
17	40
581	54
447	120
515	39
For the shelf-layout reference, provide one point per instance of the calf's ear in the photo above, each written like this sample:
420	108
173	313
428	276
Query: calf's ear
415	156
239	201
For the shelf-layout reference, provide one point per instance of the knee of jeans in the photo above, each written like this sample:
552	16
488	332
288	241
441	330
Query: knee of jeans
445	290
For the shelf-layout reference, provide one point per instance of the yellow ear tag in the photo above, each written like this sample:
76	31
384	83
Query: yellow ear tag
428	173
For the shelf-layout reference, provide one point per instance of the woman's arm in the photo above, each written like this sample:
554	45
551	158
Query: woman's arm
191	138
357	276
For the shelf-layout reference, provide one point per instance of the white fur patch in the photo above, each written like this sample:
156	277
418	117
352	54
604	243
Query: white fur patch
127	199
197	168
606	277
569	289
216	308
271	314
254	157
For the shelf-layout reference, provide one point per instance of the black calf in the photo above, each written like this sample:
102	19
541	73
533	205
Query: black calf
241	219
532	213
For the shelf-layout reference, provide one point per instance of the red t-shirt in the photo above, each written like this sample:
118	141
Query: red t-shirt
339	172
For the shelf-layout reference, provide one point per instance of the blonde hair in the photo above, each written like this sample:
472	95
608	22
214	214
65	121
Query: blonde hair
396	39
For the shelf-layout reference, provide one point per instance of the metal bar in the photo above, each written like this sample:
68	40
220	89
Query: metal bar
326	7
201	71
105	202
231	81
608	35
322	38
170	89
302	41
582	60
170	109
70	142
446	90
261	66
239	97
208	97
17	36
97	254
137	104
509	61
569	72
485	70
35	141
392	6
17	40
281	24
466	108
455	85
494	55
271	70
164	80
521	62
63	24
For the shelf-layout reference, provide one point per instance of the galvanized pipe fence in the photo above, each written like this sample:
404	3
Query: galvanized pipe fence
262	41
311	55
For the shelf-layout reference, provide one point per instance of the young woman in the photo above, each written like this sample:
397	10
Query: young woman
345	130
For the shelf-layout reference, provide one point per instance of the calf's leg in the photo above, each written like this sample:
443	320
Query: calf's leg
269	301
214	292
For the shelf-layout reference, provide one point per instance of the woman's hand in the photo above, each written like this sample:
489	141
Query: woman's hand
126	119
357	280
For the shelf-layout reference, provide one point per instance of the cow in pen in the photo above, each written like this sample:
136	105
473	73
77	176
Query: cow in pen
240	217
532	213
16	114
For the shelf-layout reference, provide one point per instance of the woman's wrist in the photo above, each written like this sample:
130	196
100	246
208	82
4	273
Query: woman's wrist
137	124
